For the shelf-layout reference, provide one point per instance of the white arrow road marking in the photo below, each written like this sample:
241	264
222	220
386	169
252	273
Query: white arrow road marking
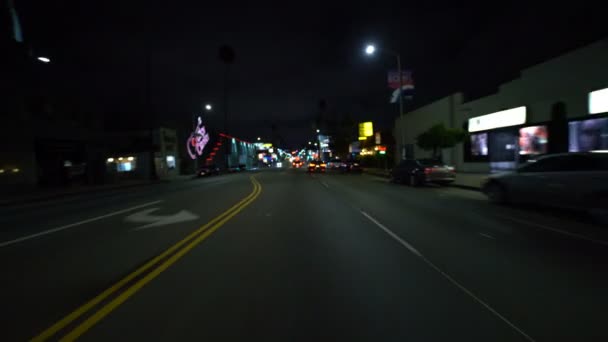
145	216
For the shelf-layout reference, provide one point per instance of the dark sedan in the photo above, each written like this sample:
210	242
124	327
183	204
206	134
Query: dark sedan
420	171
210	170
350	167
316	166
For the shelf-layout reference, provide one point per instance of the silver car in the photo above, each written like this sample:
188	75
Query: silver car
567	180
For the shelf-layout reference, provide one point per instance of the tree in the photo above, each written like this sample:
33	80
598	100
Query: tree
439	137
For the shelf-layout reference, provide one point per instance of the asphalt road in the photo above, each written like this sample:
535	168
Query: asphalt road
280	255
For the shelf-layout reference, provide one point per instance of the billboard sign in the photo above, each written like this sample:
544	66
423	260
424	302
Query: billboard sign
406	79
505	118
366	129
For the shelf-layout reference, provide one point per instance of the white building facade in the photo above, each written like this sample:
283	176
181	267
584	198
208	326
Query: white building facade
557	106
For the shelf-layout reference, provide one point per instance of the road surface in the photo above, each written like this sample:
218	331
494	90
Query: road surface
281	255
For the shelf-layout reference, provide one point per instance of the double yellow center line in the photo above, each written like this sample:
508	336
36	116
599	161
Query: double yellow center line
147	273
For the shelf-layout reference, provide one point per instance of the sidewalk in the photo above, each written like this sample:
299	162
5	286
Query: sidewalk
41	195
471	181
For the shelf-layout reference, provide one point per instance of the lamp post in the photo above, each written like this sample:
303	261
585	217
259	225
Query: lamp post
370	49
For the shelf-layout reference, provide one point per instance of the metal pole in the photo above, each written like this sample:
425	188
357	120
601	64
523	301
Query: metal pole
401	124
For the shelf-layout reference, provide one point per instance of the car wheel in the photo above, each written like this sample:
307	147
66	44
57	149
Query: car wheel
496	193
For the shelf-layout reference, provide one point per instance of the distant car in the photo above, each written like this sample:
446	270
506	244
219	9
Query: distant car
420	171
316	166
210	170
334	164
350	166
297	163
566	180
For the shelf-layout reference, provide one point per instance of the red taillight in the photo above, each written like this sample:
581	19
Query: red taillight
427	170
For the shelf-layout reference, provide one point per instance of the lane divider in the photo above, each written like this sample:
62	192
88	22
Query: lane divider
170	256
447	276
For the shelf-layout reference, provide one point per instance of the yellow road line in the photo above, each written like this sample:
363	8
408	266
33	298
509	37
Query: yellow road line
222	218
116	302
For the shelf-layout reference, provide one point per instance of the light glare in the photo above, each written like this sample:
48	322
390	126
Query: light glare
44	59
370	49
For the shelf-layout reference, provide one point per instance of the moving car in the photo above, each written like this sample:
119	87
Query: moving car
297	163
565	180
209	170
420	171
316	166
350	166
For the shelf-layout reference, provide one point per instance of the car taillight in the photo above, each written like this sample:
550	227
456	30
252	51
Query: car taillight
427	170
322	165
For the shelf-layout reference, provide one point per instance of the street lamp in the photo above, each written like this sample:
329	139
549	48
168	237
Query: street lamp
370	49
208	107
44	59
259	138
318	130
309	143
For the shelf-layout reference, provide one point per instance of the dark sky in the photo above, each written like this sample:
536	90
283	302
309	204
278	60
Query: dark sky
289	55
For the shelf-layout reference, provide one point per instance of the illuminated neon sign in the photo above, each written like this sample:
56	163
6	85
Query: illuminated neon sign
197	140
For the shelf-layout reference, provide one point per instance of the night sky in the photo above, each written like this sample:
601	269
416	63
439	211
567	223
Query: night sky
289	55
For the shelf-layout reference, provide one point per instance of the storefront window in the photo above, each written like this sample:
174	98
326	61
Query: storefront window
588	135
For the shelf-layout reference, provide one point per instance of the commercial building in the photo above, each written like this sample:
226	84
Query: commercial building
557	106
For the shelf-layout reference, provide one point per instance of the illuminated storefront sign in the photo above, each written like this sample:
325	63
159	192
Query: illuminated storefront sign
505	118
366	129
598	101
197	140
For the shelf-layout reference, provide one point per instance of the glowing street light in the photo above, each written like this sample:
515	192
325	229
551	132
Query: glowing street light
44	59
318	131
370	49
259	138
208	107
309	143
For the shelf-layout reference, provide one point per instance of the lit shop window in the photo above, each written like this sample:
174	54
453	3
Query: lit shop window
171	162
123	164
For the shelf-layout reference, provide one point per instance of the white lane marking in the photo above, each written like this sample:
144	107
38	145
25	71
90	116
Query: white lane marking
487	236
448	277
145	216
54	230
393	235
325	184
555	230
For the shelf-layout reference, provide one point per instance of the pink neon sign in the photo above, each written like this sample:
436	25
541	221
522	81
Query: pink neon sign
197	140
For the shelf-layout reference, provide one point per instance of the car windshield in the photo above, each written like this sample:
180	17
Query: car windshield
303	171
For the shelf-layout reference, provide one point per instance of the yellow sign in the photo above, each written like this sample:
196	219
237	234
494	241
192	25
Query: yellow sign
366	129
362	138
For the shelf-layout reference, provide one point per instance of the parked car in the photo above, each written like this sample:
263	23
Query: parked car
566	180
350	166
316	166
210	170
334	164
420	171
